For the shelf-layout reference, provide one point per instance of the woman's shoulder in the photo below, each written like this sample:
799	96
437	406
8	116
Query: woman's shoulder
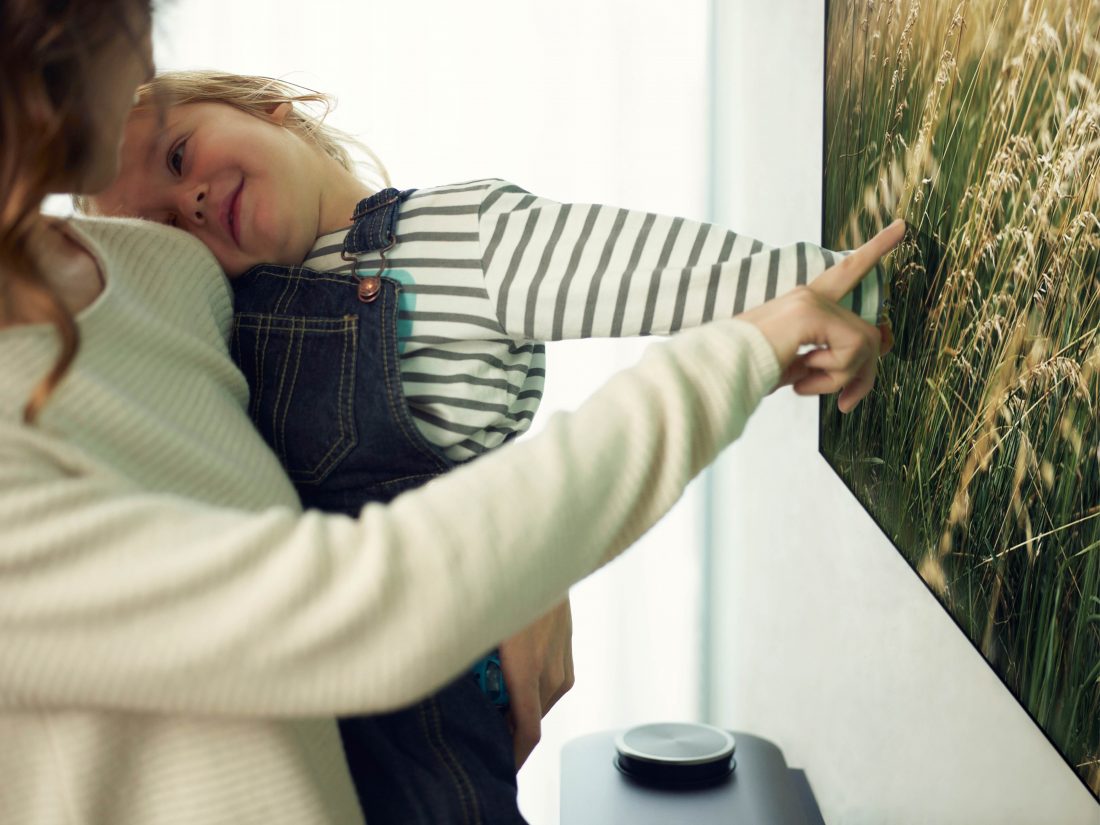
169	271
126	238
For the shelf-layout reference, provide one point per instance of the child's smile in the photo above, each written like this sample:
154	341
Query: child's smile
231	213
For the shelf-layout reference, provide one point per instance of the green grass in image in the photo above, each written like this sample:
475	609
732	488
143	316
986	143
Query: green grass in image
979	123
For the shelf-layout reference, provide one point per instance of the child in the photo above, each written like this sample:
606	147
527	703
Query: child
384	349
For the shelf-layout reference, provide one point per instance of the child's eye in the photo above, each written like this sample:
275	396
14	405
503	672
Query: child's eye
177	153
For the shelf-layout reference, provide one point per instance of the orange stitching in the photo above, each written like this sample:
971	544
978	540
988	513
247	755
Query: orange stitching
416	439
342	441
453	766
277	431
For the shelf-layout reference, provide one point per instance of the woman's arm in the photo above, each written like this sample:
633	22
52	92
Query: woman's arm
115	598
556	271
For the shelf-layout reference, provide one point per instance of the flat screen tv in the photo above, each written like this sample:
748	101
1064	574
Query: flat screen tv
978	452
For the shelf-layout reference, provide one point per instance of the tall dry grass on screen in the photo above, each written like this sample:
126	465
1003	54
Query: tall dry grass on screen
979	122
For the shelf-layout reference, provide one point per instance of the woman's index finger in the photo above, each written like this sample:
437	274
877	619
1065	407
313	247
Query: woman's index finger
837	281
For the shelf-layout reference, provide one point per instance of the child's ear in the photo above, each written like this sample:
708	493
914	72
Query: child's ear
278	114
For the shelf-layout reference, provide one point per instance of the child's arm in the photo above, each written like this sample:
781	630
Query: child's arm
556	271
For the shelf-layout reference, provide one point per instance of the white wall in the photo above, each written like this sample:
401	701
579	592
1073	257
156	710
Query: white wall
824	640
578	101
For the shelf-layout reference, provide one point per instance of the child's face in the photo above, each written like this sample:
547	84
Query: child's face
249	188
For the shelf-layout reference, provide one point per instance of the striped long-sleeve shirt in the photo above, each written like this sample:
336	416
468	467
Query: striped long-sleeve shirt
489	271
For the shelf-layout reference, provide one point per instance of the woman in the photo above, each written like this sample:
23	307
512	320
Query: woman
177	634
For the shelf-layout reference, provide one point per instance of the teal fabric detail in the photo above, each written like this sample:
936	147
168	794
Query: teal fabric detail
406	303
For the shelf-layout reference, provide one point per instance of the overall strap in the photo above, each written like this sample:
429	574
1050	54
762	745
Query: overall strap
374	229
374	224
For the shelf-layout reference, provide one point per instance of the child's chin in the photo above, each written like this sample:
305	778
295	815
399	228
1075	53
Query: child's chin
236	271
237	268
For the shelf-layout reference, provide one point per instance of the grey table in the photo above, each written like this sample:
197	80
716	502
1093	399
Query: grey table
761	791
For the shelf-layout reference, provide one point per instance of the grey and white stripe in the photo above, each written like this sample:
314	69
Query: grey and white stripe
489	271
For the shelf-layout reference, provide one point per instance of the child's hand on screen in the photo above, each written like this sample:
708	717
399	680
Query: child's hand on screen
848	347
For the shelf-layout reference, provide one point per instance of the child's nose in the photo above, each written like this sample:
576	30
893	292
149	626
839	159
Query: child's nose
196	204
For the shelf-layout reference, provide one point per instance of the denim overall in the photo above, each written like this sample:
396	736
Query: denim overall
319	350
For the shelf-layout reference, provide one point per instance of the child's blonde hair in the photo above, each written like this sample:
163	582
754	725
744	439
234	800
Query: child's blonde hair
257	96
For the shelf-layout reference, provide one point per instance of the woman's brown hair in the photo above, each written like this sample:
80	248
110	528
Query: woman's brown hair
46	129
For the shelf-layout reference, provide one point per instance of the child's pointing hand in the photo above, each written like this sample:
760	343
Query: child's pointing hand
848	347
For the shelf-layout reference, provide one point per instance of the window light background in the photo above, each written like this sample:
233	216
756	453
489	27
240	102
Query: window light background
575	101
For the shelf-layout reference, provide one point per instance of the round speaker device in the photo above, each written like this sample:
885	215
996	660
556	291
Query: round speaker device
676	754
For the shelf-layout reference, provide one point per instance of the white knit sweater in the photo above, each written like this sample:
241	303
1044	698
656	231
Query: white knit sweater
176	635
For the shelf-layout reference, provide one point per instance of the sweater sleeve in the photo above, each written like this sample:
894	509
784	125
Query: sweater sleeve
116	598
555	271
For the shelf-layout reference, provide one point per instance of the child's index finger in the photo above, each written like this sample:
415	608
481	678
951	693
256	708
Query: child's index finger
837	281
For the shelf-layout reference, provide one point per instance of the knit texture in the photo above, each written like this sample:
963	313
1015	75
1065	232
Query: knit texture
177	635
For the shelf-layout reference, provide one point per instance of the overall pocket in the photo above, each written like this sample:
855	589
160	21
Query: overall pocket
301	375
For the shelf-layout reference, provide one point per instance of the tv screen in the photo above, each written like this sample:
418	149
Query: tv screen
978	452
